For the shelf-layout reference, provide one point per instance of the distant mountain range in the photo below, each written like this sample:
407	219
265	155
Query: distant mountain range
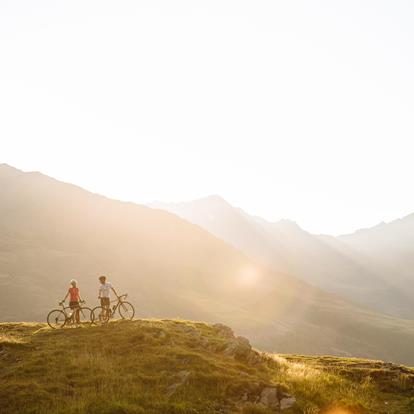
374	267
51	232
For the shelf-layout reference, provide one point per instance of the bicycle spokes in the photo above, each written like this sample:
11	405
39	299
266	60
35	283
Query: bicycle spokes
56	319
126	310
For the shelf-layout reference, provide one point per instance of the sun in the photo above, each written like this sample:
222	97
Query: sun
249	276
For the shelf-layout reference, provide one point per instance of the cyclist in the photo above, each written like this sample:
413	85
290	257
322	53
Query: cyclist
105	292
74	298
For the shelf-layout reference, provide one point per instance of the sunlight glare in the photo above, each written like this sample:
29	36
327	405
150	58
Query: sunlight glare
249	276
338	411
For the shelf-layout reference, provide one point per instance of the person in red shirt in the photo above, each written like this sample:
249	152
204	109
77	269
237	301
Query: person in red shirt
74	298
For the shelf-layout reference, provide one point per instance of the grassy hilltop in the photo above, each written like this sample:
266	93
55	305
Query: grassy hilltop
168	366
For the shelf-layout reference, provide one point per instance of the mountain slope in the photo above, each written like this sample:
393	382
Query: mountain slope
171	367
338	265
390	246
51	232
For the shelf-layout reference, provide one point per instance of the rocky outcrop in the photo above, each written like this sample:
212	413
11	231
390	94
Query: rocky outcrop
269	398
273	397
237	347
224	330
276	398
287	401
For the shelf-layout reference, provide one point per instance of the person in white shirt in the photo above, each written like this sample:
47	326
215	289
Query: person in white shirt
105	292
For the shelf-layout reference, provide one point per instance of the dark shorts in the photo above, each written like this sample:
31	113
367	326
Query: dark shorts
105	302
74	305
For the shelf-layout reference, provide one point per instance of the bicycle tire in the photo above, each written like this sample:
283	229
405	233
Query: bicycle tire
85	315
98	316
126	310
56	319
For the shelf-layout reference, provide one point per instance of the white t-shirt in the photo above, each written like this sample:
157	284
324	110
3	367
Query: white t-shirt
105	290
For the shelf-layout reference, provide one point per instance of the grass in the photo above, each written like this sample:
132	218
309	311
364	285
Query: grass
180	367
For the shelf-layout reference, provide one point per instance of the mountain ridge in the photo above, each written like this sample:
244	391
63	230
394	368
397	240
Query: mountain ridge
352	266
54	232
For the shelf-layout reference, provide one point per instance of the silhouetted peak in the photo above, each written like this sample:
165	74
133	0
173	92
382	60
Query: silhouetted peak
5	167
7	170
211	202
287	224
367	230
214	198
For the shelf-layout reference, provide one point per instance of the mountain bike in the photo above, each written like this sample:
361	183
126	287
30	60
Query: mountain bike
58	318
101	315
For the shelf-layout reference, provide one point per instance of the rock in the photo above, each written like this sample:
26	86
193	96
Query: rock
183	375
183	378
162	335
254	358
172	389
269	397
224	330
239	348
276	397
287	402
205	342
243	342
188	329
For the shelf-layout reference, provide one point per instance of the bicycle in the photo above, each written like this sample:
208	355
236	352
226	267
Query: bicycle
101	315
58	318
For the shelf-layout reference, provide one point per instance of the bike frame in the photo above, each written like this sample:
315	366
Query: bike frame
113	309
70	317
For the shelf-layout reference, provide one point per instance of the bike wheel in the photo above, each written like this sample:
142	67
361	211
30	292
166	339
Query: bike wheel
85	316
100	315
126	310
56	319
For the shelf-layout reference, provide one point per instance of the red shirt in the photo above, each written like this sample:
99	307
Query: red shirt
74	294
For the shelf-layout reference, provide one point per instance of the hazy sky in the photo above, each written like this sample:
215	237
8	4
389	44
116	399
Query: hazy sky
295	109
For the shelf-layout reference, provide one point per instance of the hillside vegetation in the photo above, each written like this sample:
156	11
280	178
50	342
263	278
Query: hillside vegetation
51	232
171	366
